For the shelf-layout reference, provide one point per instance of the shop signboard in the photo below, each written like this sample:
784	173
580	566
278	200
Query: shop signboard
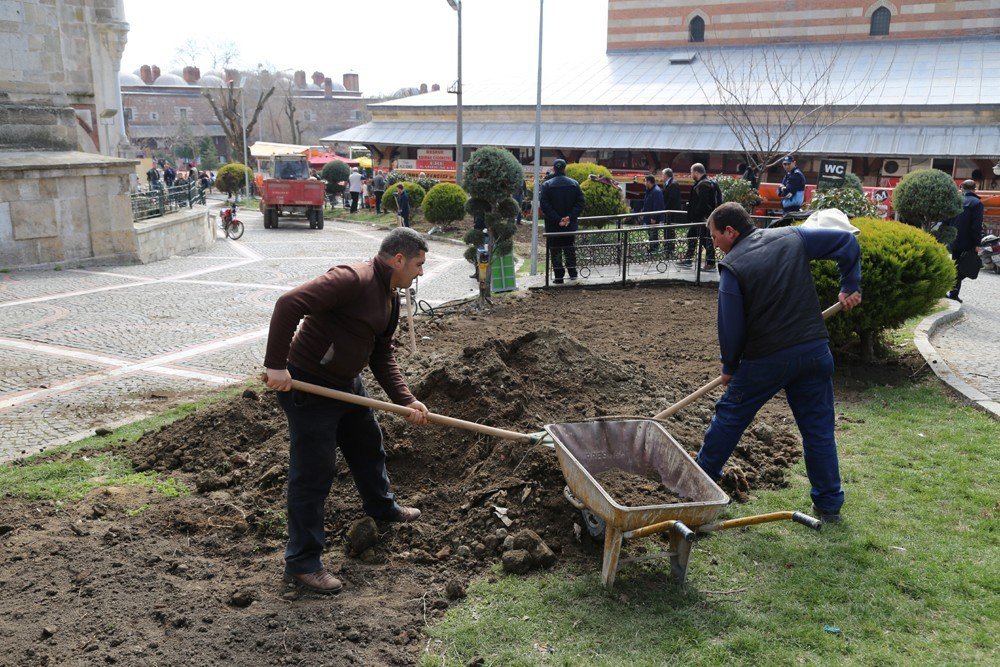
832	172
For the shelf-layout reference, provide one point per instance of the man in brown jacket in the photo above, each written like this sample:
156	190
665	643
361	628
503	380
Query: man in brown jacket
348	317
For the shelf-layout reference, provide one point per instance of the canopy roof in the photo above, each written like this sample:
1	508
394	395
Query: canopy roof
269	149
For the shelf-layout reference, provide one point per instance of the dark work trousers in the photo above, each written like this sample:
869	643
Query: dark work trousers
354	201
808	383
405	220
693	234
955	255
318	426
378	200
563	248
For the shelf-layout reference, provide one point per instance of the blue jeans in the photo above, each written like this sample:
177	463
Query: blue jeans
808	383
318	426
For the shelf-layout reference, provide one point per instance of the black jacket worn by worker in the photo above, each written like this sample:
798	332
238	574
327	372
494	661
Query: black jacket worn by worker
705	196
969	224
560	196
672	195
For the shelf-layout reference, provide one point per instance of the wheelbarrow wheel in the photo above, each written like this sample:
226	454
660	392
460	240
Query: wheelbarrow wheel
594	524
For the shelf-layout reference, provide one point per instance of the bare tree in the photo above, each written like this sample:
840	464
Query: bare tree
227	107
291	112
217	55
776	99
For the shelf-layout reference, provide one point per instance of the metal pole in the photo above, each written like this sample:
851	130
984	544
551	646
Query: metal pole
243	122
538	152
459	149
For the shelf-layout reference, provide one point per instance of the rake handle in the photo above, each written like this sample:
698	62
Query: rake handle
694	396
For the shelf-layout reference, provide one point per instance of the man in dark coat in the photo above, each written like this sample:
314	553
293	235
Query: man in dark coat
653	201
969	224
403	204
793	186
561	200
705	196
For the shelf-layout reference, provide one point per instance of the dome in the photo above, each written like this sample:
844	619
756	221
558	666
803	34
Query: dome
337	87
405	92
126	79
169	80
178	72
308	86
211	81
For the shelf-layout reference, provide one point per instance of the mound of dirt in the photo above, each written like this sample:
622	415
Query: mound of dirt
634	490
195	580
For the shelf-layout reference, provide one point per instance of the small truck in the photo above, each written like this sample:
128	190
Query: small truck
286	189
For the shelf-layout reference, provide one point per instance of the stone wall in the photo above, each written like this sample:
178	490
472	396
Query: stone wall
182	233
62	206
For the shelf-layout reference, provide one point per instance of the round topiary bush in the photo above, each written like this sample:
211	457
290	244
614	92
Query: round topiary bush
601	199
413	191
444	203
232	177
426	183
740	191
492	174
394	177
334	173
850	181
580	171
926	196
854	203
904	271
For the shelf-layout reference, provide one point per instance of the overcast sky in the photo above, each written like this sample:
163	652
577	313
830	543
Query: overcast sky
389	43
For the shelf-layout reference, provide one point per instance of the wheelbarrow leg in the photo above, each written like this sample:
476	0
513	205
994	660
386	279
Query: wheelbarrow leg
681	550
612	550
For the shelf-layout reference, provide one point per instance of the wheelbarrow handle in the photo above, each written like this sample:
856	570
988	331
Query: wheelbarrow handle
742	522
691	398
404	411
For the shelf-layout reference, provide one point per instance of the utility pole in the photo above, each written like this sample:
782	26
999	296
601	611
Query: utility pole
538	149
459	149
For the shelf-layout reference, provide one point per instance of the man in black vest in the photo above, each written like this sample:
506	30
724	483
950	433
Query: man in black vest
772	337
969	224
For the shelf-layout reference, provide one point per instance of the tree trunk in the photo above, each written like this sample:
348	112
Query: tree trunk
867	346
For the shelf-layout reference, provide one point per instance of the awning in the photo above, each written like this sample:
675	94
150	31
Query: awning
269	149
319	161
982	141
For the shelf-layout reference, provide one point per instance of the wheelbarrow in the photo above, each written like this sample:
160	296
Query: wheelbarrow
586	449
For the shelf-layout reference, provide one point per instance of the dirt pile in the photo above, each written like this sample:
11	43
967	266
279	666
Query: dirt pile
634	490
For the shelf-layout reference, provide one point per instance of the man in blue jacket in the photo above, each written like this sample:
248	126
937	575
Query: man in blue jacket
561	201
653	201
793	186
772	337
969	224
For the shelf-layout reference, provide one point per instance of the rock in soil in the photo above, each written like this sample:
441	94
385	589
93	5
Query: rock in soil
516	561
455	589
362	535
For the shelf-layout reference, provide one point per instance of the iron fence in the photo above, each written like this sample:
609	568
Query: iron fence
157	202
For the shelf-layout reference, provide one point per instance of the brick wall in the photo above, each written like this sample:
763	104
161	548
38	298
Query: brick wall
639	24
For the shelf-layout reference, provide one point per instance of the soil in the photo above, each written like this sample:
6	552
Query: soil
129	576
633	490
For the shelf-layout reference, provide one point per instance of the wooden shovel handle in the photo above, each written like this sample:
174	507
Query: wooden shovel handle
691	398
405	411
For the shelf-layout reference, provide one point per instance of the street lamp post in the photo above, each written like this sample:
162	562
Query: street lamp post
538	149
243	122
459	150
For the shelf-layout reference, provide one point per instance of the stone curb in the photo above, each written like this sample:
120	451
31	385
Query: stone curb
364	223
922	339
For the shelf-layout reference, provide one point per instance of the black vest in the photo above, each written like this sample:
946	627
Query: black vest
779	297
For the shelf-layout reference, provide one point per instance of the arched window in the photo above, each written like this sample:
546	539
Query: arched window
696	30
880	22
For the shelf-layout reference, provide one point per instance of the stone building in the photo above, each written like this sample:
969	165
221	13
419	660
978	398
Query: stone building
916	83
61	196
160	107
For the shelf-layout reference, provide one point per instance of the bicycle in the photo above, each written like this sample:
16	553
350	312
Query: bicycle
230	224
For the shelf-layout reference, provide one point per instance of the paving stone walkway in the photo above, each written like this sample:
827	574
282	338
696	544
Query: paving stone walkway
101	346
971	344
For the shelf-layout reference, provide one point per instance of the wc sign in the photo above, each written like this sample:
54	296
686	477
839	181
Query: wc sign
832	172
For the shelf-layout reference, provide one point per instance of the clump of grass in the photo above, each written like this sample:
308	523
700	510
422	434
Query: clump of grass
72	479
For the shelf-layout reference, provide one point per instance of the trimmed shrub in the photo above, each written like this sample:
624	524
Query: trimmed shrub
904	272
231	179
580	171
850	181
394	177
334	173
601	199
444	203
426	183
854	203
413	191
738	190
926	196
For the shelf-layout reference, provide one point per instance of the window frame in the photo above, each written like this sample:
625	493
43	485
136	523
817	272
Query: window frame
691	30
878	15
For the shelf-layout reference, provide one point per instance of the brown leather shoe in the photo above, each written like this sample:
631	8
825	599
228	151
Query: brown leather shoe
405	515
320	581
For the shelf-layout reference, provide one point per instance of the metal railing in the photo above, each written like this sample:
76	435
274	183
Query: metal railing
157	202
624	246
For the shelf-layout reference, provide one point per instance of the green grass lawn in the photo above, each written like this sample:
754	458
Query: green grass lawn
912	576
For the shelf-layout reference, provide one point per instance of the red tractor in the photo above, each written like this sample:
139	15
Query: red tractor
287	189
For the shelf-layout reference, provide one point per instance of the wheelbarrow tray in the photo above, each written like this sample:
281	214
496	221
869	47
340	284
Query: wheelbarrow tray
586	449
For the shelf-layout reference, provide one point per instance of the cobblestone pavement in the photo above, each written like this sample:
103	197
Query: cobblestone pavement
83	348
971	344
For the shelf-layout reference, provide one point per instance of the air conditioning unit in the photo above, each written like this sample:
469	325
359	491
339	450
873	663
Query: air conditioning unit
896	166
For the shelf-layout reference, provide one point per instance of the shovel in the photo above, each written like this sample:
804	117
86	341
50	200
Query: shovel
540	438
687	400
